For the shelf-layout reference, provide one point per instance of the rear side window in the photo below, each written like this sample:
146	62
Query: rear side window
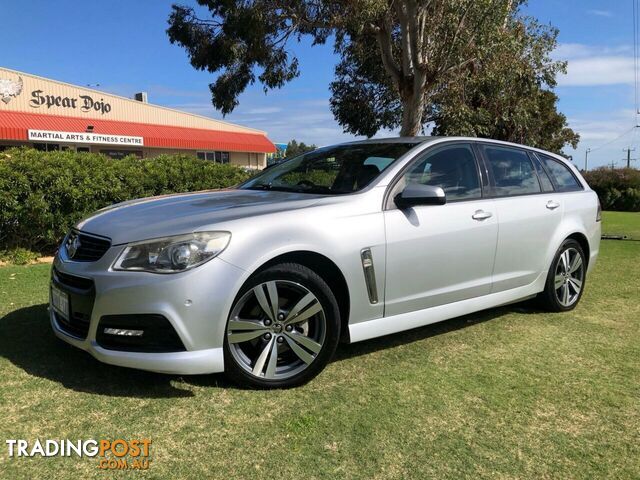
512	171
453	168
564	180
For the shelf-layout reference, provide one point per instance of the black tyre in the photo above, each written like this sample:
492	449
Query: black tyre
283	328
566	278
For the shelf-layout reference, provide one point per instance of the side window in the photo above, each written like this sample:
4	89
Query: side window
512	171
453	168
545	181
561	175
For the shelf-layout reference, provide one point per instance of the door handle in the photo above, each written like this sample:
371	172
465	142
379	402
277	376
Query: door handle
551	205
481	215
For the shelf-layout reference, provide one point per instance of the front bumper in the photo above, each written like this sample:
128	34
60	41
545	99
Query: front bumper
196	304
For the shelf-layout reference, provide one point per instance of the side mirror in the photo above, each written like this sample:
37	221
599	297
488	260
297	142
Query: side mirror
419	194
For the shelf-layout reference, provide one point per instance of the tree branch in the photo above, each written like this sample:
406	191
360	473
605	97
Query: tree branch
416	34
405	39
383	36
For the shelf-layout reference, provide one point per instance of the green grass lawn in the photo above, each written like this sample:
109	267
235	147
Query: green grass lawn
507	393
621	223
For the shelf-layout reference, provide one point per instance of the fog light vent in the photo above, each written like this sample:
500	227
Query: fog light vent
150	333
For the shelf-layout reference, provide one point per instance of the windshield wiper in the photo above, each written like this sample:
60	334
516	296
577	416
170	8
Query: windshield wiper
268	186
318	189
260	186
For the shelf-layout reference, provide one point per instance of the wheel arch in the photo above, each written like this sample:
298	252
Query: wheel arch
581	238
571	230
328	271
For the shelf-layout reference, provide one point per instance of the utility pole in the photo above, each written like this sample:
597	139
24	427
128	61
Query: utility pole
586	159
612	164
629	159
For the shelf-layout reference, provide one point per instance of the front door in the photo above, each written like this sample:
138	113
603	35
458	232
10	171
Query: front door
439	254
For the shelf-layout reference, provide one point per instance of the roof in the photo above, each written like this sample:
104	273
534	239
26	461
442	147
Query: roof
418	139
415	140
15	126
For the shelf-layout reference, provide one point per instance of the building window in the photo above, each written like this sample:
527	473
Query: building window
218	157
46	147
83	149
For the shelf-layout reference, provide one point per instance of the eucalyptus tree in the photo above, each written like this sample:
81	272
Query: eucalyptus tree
397	57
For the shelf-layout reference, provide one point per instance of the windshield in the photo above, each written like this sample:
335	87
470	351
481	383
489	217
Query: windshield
330	170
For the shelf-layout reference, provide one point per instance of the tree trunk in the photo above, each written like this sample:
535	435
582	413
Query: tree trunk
412	111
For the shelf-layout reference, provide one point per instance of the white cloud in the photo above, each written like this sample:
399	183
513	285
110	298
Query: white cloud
600	13
590	65
258	111
568	51
598	71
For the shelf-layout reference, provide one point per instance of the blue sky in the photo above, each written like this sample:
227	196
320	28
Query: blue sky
122	45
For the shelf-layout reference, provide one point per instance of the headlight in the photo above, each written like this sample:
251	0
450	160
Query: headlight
172	254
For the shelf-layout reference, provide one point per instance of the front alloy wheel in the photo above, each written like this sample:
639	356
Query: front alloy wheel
281	328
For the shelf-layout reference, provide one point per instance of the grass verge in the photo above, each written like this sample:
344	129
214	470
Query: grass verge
621	223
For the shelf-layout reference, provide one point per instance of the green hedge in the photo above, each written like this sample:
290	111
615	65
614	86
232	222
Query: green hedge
617	189
42	194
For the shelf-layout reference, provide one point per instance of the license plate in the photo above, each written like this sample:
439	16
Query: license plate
60	301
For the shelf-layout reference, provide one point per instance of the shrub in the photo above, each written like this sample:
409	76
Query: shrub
617	189
42	194
18	256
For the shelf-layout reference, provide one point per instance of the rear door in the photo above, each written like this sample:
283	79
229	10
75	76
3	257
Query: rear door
529	211
438	254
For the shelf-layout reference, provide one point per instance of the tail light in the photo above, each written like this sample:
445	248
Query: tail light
599	214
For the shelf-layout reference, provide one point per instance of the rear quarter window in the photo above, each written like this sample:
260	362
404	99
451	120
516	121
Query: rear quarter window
561	175
543	176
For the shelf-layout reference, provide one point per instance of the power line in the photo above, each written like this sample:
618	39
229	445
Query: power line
615	139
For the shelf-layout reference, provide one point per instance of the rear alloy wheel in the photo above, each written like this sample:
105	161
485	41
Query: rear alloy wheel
565	281
283	328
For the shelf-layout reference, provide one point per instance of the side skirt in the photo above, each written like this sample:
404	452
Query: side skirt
406	321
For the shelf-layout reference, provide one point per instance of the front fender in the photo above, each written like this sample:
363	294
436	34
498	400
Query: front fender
322	231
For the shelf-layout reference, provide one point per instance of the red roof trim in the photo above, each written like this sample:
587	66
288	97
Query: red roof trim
14	126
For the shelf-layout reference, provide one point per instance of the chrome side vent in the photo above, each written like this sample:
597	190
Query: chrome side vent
369	275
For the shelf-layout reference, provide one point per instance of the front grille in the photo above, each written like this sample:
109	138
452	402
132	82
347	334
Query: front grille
82	295
73	281
85	248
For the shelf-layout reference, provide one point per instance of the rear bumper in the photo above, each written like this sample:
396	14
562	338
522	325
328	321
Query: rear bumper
594	245
196	303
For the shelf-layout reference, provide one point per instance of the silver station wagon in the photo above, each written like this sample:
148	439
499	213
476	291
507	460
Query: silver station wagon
348	242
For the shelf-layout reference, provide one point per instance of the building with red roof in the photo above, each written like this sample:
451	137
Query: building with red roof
52	115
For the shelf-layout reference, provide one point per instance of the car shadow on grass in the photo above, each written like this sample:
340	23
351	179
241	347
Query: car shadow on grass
27	341
347	351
